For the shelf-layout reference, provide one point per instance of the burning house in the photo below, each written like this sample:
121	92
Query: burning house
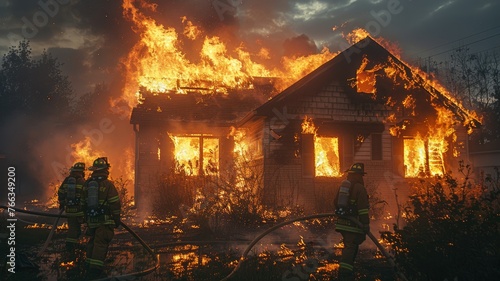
188	133
364	105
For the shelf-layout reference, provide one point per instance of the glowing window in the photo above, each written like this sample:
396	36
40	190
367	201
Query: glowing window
366	82
326	157
196	155
423	157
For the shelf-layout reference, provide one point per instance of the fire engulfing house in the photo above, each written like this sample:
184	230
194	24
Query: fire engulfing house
364	105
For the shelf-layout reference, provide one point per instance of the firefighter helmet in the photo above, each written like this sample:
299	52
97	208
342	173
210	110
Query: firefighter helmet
100	163
356	168
78	167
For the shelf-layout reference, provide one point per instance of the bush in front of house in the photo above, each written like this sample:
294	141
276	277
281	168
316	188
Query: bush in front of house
172	191
127	201
216	201
452	231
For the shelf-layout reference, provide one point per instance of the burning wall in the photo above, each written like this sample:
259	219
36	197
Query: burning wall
367	104
206	82
369	107
192	133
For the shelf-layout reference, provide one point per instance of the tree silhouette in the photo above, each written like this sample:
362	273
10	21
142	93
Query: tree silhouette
475	79
35	104
33	87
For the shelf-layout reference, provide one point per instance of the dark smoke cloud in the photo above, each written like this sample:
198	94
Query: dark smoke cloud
89	38
299	46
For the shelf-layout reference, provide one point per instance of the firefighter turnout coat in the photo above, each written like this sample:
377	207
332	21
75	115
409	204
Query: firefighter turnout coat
358	208
69	196
100	200
102	207
70	193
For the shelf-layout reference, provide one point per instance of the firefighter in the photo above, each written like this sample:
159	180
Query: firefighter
351	200
102	207
69	195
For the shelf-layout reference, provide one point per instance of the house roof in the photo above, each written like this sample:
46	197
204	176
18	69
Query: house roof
343	68
196	106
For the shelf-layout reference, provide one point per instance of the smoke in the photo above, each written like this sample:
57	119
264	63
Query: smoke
91	38
20	148
43	150
299	46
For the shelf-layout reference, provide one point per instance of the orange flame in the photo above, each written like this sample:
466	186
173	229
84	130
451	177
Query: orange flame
326	151
244	154
365	78
241	147
359	34
83	151
158	63
394	70
423	154
196	155
190	30
308	126
67	264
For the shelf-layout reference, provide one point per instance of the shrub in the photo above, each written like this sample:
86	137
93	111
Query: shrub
126	200
452	231
232	197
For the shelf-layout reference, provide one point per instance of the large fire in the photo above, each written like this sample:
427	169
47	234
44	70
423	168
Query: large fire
83	151
196	154
326	151
158	62
121	164
424	153
244	154
427	80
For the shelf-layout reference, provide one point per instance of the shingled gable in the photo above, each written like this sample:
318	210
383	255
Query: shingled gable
343	67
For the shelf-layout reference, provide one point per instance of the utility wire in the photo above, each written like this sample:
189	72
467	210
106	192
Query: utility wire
486	50
457	40
468	44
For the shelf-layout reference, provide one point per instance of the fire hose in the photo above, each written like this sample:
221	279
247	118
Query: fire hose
137	237
243	257
49	238
139	273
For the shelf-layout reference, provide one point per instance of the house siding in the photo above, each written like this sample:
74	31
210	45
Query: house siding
280	153
285	183
147	164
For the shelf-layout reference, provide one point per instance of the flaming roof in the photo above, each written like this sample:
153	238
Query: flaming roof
344	66
196	106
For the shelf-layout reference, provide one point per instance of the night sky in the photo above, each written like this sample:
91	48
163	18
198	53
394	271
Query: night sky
92	37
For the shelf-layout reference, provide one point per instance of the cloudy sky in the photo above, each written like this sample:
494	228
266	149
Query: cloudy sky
90	37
